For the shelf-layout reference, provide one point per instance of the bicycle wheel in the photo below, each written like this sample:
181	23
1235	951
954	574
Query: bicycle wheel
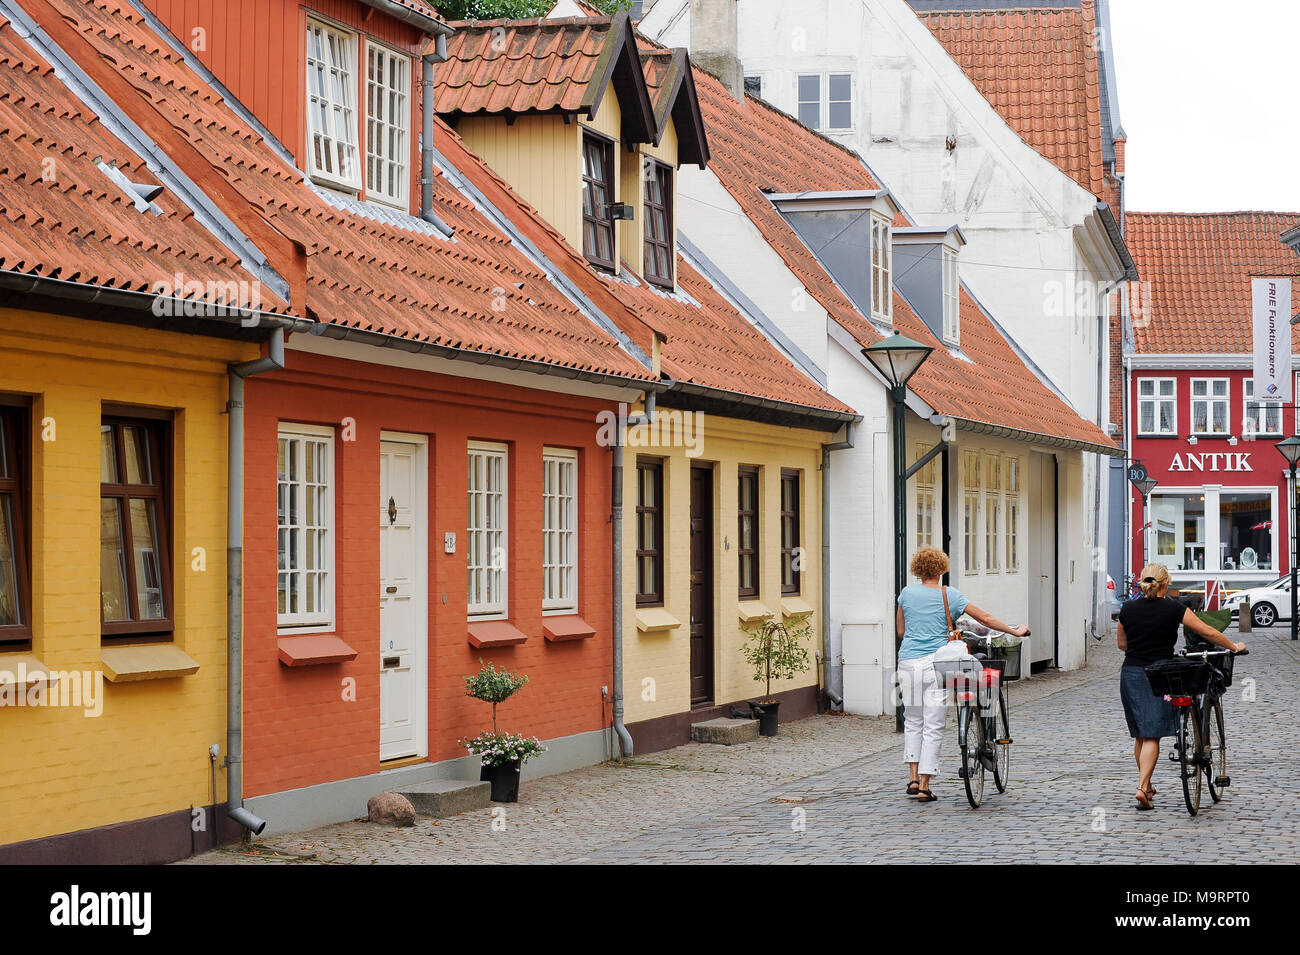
1189	749
1216	751
1001	744
970	730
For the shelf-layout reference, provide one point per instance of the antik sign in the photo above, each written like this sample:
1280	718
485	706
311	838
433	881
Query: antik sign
1212	461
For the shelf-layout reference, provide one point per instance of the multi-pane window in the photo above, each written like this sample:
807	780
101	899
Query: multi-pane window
659	223
15	621
747	531
1157	401
992	512
388	117
754	85
559	530
331	106
825	102
790	546
1012	475
649	531
882	255
951	299
1261	417
134	535
304	531
486	540
597	195
925	500
1210	406
970	479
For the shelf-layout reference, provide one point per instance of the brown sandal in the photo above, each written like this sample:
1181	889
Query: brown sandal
1143	800
913	787
924	795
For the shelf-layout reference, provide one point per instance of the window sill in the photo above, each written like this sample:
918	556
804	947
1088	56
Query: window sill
158	661
313	650
571	627
656	620
22	670
754	611
495	633
796	608
1142	434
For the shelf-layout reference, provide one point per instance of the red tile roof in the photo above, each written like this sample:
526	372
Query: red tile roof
65	218
1038	69
1195	296
995	388
360	272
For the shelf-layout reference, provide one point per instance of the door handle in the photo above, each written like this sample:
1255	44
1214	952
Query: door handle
392	662
391	590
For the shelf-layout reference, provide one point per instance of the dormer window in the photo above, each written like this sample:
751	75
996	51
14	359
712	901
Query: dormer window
951	299
334	120
882	257
597	195
659	224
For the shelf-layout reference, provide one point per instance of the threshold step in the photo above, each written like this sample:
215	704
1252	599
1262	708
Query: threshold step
446	797
725	732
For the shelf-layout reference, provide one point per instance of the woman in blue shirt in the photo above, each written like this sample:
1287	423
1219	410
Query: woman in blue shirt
924	625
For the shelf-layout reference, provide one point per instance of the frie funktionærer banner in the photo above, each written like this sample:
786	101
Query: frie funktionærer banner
1272	311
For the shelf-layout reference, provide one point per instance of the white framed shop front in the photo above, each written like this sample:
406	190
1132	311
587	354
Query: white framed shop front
1224	532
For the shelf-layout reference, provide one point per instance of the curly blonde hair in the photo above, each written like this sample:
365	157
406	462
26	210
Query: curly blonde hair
1154	577
929	563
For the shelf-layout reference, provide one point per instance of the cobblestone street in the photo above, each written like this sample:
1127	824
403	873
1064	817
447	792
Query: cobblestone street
1070	799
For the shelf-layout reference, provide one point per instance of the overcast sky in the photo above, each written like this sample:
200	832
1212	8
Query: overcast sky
1209	94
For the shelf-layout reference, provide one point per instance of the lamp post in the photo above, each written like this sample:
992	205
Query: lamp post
1145	486
1289	448
897	359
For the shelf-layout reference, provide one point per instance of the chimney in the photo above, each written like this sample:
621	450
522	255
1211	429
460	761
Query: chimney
715	42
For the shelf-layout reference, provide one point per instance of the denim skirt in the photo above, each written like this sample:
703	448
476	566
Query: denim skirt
1149	716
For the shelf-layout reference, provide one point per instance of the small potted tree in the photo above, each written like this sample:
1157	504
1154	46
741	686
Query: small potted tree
501	755
774	649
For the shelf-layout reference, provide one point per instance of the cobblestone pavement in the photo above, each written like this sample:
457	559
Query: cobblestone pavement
840	778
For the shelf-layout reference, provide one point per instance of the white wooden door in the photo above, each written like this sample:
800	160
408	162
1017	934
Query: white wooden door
1042	557
403	604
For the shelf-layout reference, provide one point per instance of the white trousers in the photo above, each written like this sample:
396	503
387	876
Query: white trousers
925	712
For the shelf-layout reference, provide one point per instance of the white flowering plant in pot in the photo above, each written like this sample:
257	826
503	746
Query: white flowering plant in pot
497	748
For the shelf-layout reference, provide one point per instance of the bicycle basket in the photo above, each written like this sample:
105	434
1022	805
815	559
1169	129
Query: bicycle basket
1223	664
959	675
1178	677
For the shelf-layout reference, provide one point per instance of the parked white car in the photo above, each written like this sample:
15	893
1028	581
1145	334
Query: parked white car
1268	604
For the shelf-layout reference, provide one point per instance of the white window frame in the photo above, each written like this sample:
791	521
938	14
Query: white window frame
951	300
554	504
322	620
1156	399
1210	399
1011	519
1249	420
824	99
488	609
1214	553
925	500
392	56
882	269
347	46
993	502
971	497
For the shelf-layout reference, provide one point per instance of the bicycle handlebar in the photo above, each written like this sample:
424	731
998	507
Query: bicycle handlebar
1215	653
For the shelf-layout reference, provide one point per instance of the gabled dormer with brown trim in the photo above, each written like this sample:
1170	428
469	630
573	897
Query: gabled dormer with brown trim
584	126
336	82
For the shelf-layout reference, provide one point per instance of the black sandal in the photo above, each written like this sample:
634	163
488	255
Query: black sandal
924	795
913	787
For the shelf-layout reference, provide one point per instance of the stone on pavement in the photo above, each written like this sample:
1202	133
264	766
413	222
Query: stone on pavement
390	809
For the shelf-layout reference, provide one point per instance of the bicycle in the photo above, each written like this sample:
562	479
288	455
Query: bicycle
1196	691
983	729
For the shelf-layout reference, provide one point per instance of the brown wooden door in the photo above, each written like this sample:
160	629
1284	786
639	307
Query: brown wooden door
701	585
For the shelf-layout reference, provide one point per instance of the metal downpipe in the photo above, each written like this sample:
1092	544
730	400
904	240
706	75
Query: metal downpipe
827	662
235	582
426	135
616	516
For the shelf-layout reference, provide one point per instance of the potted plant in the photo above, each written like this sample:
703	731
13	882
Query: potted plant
774	649
501	755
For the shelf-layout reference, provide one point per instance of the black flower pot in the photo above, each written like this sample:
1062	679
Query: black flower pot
504	780
767	716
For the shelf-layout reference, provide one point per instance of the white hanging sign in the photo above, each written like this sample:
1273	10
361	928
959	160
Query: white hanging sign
1271	300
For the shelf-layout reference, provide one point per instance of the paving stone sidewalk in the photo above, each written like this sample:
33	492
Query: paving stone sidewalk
829	789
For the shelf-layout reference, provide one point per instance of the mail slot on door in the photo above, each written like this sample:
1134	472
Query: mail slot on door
391	662
390	590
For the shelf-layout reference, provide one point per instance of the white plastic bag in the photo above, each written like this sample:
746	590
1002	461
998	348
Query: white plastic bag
952	651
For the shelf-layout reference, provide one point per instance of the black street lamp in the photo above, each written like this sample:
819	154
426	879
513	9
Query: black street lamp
1289	448
897	359
1145	487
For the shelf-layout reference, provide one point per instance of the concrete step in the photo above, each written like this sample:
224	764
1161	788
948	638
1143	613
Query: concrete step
446	797
724	731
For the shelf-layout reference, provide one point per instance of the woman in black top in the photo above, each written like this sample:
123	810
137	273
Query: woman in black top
1148	630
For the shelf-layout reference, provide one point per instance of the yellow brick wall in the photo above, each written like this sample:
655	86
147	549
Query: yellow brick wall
61	771
665	657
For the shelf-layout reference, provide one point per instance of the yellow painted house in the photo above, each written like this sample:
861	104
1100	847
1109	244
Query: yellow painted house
721	474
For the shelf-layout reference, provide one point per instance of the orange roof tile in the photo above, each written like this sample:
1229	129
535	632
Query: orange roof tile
66	219
995	388
1195	296
477	292
1038	69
